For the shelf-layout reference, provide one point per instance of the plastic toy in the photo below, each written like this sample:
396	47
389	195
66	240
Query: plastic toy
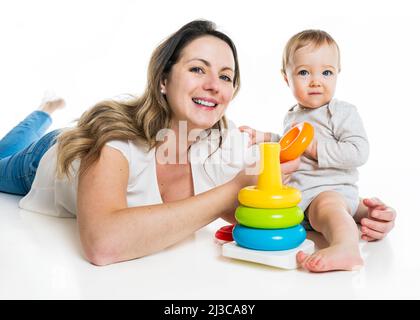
269	184
295	141
269	218
270	232
225	233
269	240
270	198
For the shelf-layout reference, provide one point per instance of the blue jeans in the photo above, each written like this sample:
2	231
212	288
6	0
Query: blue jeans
22	149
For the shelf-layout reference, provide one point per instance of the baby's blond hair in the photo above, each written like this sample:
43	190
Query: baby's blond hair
304	38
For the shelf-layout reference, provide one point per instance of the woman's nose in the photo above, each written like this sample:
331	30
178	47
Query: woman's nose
212	83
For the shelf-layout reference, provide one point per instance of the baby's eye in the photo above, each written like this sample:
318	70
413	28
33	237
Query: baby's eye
303	73
327	73
226	78
197	70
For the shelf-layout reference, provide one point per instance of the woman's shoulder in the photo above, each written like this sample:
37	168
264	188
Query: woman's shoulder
138	154
130	149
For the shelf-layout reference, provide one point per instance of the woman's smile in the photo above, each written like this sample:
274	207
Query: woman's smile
205	103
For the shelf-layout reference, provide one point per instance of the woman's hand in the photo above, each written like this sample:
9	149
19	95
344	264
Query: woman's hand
287	168
377	219
249	176
256	136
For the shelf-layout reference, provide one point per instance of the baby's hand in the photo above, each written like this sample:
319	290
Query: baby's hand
288	168
256	136
379	222
311	150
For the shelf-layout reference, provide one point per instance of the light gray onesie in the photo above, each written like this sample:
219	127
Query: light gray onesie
342	147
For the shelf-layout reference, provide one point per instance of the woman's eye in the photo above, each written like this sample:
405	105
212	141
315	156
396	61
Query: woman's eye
327	73
226	78
197	70
303	73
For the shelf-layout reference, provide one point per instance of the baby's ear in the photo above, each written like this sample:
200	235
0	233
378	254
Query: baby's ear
285	77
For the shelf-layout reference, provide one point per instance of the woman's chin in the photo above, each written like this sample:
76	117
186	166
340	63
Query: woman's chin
204	124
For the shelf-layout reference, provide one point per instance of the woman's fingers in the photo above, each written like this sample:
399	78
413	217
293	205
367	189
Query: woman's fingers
251	133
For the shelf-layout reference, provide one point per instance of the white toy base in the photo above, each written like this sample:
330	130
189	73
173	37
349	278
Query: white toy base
284	259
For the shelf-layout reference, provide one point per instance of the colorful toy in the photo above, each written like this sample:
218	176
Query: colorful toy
295	141
269	218
225	233
269	230
269	183
269	239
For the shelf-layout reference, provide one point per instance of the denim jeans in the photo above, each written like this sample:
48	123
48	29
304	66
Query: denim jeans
22	149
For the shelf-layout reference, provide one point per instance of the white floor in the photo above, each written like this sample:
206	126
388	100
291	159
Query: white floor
41	258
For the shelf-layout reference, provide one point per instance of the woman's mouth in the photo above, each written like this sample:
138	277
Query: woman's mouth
205	103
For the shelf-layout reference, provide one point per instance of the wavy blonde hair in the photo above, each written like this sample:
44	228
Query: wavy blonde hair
136	118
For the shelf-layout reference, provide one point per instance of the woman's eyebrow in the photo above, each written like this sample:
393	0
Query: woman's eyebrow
208	64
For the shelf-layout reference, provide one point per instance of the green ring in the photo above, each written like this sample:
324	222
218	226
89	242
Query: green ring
269	218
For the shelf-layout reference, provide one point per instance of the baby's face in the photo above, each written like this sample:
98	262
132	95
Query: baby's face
312	74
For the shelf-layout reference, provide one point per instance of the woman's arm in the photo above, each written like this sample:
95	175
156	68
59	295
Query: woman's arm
110	232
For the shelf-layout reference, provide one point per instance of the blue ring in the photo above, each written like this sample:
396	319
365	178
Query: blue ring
269	239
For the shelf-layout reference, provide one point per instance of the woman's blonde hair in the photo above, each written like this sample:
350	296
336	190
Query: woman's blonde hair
137	118
307	37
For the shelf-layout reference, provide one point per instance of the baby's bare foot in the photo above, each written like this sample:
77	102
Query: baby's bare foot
49	105
338	257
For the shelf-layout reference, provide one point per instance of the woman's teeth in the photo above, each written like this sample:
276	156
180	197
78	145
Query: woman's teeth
204	103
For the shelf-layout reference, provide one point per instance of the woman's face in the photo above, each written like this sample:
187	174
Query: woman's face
199	86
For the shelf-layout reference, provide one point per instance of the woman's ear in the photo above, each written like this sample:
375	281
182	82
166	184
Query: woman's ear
163	86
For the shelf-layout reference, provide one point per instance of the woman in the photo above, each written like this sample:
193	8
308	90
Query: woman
112	168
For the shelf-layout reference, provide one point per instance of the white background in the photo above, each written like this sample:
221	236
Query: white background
86	51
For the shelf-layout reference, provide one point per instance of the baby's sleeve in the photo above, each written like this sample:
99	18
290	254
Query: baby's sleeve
349	148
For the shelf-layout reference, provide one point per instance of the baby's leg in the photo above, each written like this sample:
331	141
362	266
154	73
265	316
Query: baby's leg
329	214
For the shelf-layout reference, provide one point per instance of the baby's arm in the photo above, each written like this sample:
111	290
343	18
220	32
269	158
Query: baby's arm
350	147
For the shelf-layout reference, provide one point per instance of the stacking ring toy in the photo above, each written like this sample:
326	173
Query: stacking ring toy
284	197
295	141
225	233
269	191
269	218
269	240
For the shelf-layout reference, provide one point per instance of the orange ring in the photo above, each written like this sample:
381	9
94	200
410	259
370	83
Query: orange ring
295	141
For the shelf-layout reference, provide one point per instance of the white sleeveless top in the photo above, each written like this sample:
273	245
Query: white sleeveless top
58	197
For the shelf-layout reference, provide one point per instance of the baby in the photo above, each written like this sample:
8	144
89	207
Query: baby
328	173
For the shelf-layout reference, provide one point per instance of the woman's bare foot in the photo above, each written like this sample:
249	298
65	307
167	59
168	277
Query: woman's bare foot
49	105
338	257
